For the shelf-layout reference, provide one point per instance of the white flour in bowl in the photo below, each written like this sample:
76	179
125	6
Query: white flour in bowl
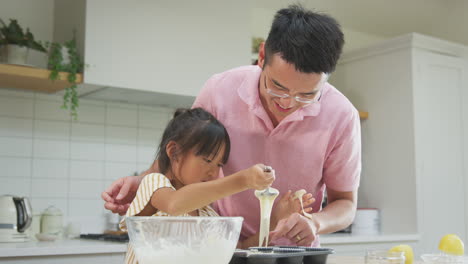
210	251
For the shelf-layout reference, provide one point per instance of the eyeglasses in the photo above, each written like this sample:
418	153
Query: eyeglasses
277	93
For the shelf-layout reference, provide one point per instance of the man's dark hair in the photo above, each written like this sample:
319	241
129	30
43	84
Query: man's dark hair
311	41
197	130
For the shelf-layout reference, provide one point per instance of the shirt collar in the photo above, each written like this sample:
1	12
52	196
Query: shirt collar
248	92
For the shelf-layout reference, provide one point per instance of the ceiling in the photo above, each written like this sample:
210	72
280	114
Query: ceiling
447	19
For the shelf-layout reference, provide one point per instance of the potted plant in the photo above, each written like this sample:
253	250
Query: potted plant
256	41
15	43
65	58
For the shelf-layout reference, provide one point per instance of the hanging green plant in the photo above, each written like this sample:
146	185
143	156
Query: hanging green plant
65	58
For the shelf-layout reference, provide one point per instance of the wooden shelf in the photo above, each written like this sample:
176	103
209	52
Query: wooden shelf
363	115
31	78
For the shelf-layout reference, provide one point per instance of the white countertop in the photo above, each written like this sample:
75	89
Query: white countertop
84	246
61	247
356	239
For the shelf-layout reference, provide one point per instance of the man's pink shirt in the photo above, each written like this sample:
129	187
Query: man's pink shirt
315	147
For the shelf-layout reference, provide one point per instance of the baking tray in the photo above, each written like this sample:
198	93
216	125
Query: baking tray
281	255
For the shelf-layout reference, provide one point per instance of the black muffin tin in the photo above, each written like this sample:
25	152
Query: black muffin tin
281	255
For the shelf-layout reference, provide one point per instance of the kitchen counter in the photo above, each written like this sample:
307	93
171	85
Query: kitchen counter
60	247
83	246
104	252
357	239
351	260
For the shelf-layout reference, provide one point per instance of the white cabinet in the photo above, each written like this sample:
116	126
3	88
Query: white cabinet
415	142
164	46
154	52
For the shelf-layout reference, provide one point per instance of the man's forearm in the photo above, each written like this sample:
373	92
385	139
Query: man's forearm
335	216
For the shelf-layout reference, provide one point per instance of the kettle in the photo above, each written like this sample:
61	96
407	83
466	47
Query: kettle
15	218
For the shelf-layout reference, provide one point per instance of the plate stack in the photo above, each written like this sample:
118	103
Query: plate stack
366	222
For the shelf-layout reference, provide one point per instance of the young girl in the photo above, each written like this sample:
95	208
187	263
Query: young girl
193	148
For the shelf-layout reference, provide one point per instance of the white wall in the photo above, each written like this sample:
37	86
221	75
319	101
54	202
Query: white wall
55	161
69	19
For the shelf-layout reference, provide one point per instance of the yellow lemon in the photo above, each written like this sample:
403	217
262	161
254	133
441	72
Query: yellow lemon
452	244
409	256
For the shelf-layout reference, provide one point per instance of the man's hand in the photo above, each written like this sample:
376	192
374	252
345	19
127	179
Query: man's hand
289	204
296	228
121	193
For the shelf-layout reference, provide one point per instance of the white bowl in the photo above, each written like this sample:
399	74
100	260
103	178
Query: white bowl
46	237
178	239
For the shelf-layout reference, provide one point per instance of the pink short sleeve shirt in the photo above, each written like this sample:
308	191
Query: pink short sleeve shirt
315	147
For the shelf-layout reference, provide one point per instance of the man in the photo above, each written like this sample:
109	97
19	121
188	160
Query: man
284	113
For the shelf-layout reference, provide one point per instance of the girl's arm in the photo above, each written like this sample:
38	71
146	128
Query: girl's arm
198	195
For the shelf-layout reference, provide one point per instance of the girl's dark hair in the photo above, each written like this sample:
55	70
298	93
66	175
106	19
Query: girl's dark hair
193	129
311	41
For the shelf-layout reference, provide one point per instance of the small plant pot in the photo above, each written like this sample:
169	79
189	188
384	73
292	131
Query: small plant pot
65	56
64	59
14	54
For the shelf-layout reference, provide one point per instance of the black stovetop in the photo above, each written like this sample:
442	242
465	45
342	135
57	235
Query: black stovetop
106	237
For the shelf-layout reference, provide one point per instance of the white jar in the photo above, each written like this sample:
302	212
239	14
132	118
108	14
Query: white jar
51	221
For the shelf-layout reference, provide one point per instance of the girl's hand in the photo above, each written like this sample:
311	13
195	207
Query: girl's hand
288	205
257	178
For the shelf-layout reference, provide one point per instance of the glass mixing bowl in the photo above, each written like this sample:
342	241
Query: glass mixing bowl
200	240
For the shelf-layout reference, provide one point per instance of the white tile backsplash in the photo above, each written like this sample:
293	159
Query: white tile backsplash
124	153
88	189
57	161
15	167
51	110
141	167
121	135
16	147
50	168
87	170
86	207
49	188
149	137
87	132
40	204
15	186
15	127
89	225
153	119
52	149
91	112
16	107
49	97
44	129
120	116
87	151
146	154
8	93
115	170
